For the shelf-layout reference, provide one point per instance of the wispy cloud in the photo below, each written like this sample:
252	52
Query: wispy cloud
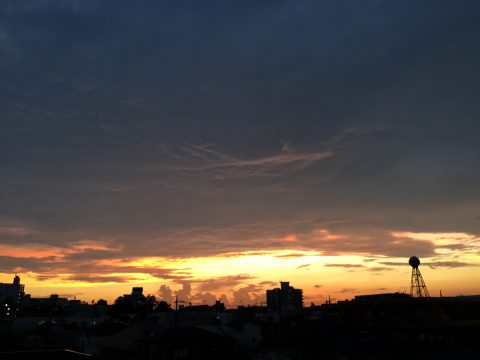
433	264
303	266
15	230
96	278
90	258
346	266
438	238
76	248
347	290
379	268
294	255
449	264
221	283
218	165
298	237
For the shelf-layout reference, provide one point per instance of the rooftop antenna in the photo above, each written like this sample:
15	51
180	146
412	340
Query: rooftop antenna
417	285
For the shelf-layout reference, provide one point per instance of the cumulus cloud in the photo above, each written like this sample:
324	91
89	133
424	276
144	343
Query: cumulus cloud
204	298
166	294
193	292
184	294
248	295
224	300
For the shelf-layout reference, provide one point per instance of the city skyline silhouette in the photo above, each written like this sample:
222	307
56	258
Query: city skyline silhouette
184	296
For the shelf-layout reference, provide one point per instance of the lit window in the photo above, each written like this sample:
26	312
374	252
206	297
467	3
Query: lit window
180	353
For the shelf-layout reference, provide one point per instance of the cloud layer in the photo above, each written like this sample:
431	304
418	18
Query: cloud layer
180	130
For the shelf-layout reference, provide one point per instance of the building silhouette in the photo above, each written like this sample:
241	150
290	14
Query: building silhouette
284	299
11	296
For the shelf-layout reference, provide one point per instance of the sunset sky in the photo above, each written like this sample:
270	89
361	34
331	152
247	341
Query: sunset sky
211	149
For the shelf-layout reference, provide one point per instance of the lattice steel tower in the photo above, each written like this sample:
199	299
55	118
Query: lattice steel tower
417	286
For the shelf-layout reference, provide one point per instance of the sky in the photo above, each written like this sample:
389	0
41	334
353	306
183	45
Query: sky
210	149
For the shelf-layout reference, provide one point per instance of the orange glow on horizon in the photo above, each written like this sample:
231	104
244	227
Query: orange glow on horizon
250	273
340	277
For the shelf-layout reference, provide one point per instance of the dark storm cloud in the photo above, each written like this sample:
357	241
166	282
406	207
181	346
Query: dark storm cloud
186	128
